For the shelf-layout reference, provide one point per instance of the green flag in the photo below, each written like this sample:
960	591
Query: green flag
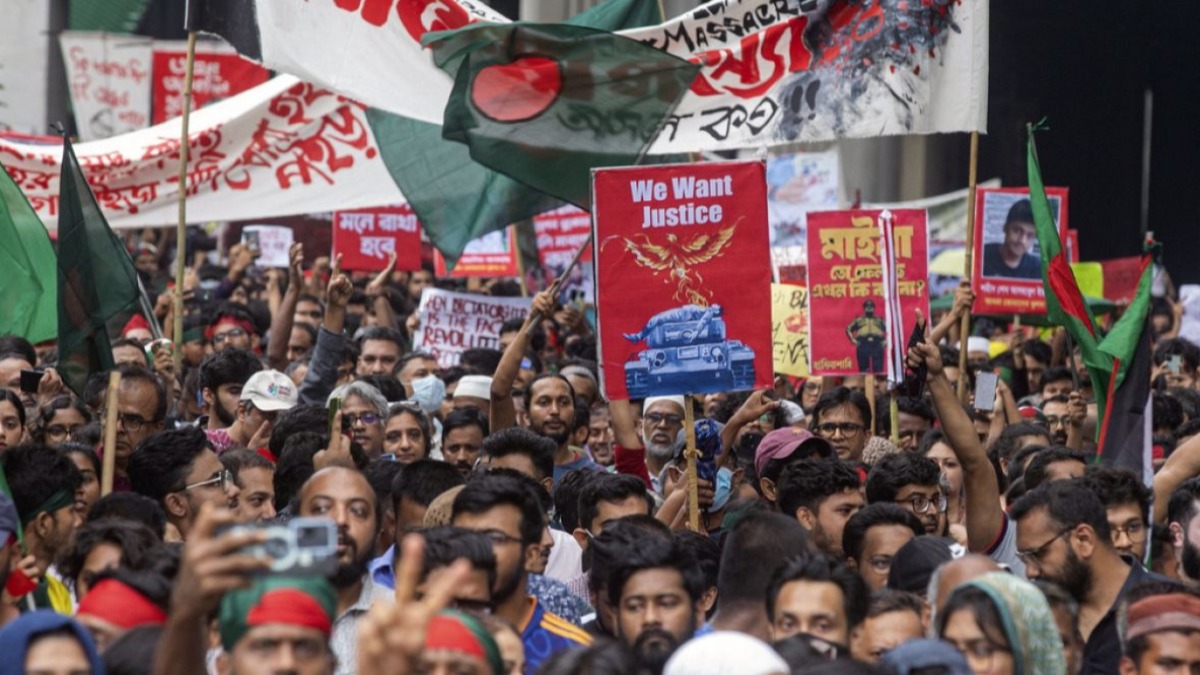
96	280
28	305
1110	359
547	103
455	198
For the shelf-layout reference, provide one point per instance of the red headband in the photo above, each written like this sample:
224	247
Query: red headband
120	605
241	323
447	634
292	607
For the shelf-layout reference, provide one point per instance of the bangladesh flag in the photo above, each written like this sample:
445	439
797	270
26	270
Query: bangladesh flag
28	305
1119	362
547	103
96	280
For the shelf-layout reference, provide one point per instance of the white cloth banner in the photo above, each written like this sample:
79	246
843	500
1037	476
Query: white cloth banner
282	148
109	79
452	323
773	71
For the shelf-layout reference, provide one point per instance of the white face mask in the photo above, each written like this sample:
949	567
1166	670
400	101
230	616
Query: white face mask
429	392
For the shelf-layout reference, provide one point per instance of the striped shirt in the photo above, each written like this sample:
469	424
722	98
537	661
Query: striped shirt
545	634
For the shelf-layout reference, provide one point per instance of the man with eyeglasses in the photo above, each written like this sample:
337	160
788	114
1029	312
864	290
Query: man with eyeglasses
1126	503
141	410
662	420
842	416
364	410
913	483
504	509
1063	536
180	471
232	328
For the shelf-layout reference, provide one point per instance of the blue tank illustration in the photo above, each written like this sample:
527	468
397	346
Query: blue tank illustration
687	351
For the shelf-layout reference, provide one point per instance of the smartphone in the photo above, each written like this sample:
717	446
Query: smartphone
251	239
1173	364
335	405
985	391
30	379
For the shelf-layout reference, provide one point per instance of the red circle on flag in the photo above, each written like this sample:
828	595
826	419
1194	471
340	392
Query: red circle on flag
517	91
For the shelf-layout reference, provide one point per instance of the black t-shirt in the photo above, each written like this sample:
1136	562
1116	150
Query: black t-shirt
1030	266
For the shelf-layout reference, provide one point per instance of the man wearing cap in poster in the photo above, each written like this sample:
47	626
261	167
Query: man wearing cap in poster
868	333
266	394
1162	635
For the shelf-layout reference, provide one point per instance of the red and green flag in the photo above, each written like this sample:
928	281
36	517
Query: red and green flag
546	103
28	305
1119	361
96	280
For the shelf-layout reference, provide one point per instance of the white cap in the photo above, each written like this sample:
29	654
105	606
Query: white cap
726	653
270	390
677	400
477	386
978	344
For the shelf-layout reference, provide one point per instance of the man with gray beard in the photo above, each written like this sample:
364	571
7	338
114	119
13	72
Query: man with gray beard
662	422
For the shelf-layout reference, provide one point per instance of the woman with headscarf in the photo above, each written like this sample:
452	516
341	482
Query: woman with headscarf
45	641
1004	626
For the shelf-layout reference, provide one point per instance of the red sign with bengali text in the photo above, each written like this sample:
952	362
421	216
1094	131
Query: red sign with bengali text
683	278
1007	266
216	75
492	255
365	237
847	325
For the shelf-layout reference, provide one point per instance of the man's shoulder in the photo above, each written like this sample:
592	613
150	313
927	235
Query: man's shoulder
564	630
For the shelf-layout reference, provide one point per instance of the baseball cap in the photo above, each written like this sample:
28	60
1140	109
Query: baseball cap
8	519
916	655
270	390
915	562
783	443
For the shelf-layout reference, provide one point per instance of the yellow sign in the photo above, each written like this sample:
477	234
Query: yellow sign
789	329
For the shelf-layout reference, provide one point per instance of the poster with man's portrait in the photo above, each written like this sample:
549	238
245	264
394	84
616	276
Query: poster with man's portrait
1007	261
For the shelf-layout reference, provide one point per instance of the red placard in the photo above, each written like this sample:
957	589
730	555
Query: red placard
560	233
1007	268
217	74
683	279
1121	278
847	327
492	255
365	237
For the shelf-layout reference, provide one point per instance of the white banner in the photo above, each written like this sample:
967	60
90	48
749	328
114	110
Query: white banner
24	50
282	148
454	322
773	71
109	80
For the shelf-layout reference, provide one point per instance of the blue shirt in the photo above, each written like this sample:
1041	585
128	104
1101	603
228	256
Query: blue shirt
582	461
545	634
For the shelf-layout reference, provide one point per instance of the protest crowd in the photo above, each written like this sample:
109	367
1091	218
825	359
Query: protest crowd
718	443
500	516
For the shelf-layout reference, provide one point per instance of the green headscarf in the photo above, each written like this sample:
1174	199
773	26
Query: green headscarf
299	601
1028	623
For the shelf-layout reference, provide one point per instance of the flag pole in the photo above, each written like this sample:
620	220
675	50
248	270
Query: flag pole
109	466
692	456
181	226
870	392
968	264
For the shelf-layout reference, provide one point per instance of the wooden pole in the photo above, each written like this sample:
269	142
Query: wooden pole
109	467
894	415
968	264
692	455
871	399
181	226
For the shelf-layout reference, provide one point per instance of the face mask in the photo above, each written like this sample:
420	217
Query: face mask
723	490
429	392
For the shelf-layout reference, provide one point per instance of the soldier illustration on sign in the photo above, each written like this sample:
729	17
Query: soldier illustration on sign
867	333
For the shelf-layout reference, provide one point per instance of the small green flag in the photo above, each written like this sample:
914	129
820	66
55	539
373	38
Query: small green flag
547	103
28	296
96	280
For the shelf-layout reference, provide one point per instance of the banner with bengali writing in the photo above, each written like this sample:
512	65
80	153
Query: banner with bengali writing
365	238
495	254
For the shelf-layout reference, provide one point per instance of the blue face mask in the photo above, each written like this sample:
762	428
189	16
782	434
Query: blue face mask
429	392
723	490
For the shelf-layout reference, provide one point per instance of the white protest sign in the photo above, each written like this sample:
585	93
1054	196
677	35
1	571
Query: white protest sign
274	242
454	322
109	77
